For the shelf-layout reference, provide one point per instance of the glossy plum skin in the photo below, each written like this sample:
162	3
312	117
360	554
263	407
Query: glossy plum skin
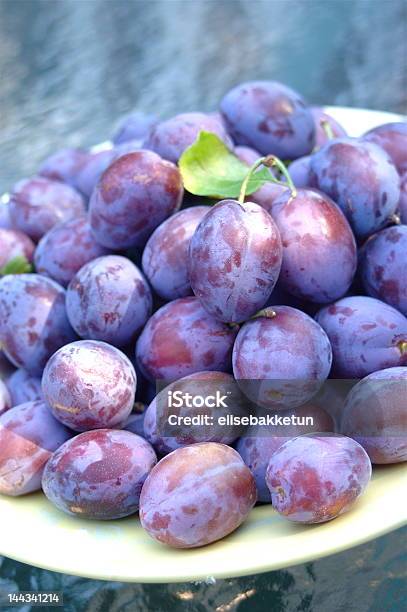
5	399
135	194
361	178
182	338
392	137
375	415
234	260
383	266
170	138
67	247
166	437
29	435
99	474
299	171
259	443
280	360
134	127
165	256
33	321
64	165
314	230
89	385
37	204
268	193
403	198
109	299
14	243
23	387
366	335
321	117
196	495
313	479
269	117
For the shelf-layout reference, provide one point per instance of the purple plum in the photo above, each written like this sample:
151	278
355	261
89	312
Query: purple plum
234	260
23	387
361	178
67	247
366	335
14	243
269	117
99	474
29	435
134	126
182	338
315	478
109	299
281	358
314	230
33	321
196	495
323	119
392	137
375	415
165	256
383	266
135	194
89	385
170	138
38	203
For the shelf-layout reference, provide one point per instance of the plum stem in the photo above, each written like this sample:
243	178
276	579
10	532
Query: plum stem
268	312
269	161
402	346
326	126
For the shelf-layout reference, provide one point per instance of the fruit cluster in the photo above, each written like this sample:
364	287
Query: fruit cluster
185	253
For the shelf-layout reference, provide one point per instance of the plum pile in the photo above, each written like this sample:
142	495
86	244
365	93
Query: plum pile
207	312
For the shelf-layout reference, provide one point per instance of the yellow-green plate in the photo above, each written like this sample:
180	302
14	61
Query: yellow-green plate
33	531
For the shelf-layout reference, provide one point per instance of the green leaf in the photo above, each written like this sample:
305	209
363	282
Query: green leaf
18	265
209	169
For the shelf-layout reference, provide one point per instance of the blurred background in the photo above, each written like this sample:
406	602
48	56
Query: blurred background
70	68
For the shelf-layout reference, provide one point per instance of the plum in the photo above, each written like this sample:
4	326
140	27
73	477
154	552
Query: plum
234	260
173	402
14	243
109	300
23	387
260	442
5	219
366	335
67	247
89	385
281	358
5	399
165	256
361	178
314	230
323	119
315	478
196	495
64	165
392	137
300	171
99	474
134	126
375	415
136	193
33	321
38	203
135	423
269	192
29	435
170	138
383	266
269	117
182	338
